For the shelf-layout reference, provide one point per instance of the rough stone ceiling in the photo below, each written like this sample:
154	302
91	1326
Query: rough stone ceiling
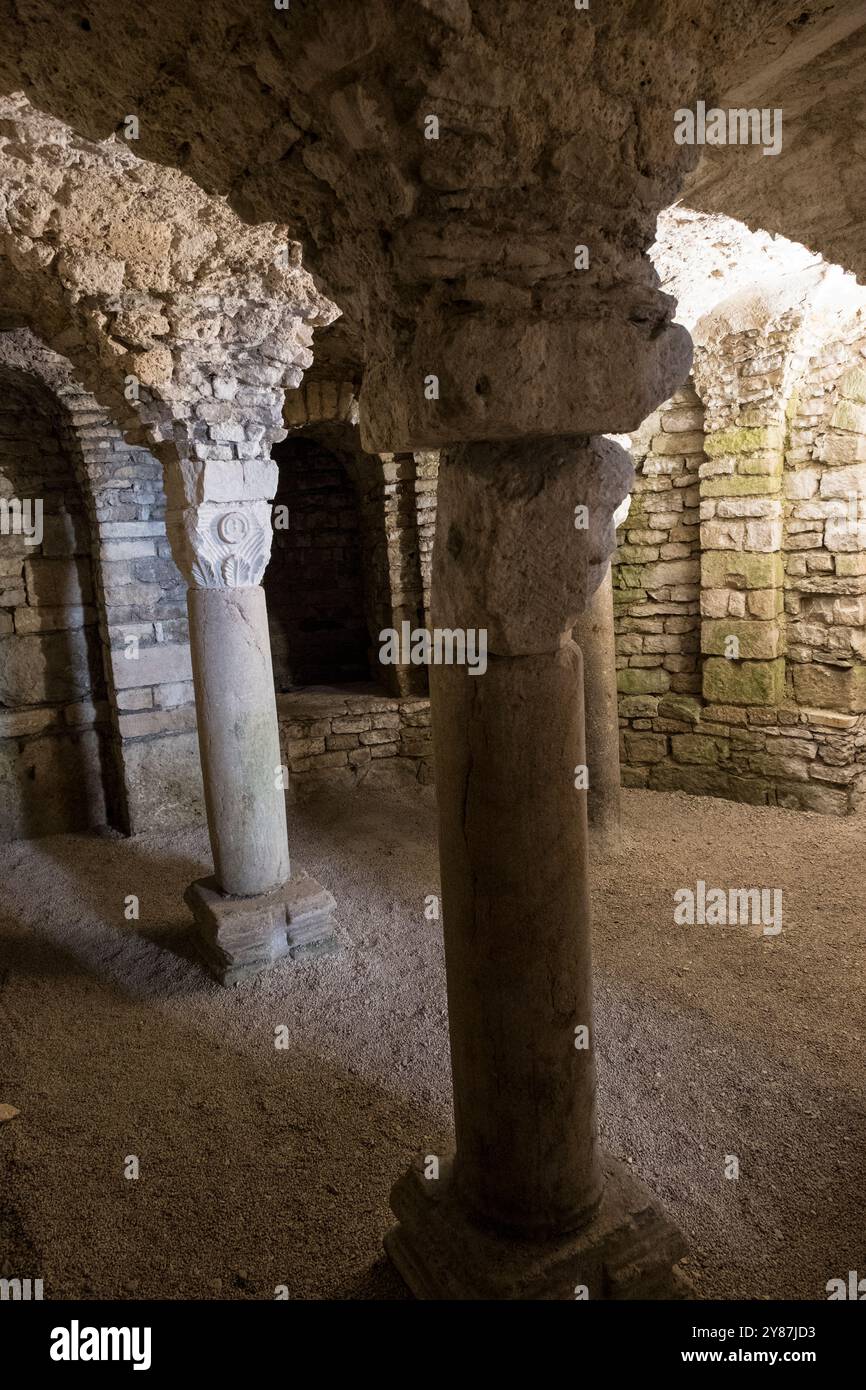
456	254
815	190
436	249
706	259
134	273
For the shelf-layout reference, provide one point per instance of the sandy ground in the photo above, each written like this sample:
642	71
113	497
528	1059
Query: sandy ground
262	1167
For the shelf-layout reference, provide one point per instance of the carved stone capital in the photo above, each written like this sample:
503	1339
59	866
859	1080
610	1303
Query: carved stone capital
222	545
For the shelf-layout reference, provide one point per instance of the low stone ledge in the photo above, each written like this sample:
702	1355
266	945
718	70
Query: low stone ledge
336	738
799	758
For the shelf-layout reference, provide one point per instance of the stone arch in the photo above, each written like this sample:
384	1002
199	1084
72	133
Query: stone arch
55	751
138	599
750	354
397	500
337	735
458	260
777	480
186	324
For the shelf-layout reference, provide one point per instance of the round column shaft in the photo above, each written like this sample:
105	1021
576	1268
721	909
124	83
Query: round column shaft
239	738
513	850
594	634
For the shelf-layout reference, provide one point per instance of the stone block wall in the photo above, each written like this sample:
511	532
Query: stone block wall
105	588
141	599
53	707
770	705
657	566
342	739
825	530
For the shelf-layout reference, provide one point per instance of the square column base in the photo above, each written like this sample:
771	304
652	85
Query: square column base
238	937
628	1250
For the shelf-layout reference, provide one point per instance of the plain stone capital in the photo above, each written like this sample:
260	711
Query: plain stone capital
525	533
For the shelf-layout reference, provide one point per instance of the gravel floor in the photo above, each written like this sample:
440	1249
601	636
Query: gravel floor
262	1166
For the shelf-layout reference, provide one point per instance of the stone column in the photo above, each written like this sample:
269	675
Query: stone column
594	635
528	1208
252	910
238	739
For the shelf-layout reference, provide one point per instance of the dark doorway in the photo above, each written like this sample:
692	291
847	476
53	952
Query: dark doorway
314	582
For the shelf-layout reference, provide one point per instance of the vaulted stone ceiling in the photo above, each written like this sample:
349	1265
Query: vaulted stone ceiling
815	191
455	256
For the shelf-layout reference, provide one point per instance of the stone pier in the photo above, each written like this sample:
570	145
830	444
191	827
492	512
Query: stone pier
528	1207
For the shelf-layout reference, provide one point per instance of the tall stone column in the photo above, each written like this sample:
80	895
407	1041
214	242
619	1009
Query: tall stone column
594	635
253	909
528	1207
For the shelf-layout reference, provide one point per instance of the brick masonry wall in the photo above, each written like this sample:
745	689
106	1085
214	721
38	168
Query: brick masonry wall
825	529
656	569
53	709
143	625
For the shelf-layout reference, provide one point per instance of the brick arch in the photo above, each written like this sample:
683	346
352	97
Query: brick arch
56	764
147	722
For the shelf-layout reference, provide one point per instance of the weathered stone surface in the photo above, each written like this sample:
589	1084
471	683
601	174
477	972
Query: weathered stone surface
753	638
831	687
51	666
744	682
51	785
727	569
594	635
645	748
524	569
629	1250
163	783
694	748
643	682
161	663
238	937
238	739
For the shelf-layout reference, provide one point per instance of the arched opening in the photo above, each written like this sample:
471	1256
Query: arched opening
52	687
315	581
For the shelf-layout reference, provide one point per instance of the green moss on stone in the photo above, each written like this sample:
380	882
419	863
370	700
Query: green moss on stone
849	416
852	386
744	682
756	638
732	569
685	707
694	748
743	439
628	576
736	485
831	687
654	681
